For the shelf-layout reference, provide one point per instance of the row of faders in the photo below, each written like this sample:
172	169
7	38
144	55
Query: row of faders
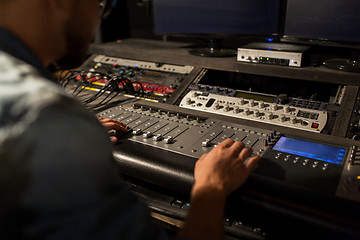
185	134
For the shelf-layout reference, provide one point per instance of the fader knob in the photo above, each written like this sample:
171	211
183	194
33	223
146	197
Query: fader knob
157	137
137	131
147	134
169	140
205	143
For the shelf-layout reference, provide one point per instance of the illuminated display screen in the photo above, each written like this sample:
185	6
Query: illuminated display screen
269	99
312	150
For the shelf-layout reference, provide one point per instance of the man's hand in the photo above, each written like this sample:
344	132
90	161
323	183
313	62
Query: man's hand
118	127
217	174
224	167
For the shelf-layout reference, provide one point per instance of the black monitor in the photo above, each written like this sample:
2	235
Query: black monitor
334	23
216	19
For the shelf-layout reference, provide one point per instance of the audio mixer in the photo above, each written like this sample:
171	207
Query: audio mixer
178	107
311	165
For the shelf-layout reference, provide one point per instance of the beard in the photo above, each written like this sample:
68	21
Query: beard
77	40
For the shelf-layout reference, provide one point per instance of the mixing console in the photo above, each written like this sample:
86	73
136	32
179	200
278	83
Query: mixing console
308	174
310	165
185	134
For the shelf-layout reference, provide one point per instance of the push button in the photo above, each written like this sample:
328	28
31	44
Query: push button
315	125
177	203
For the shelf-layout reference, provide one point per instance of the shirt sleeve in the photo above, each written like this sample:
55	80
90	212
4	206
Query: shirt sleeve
71	188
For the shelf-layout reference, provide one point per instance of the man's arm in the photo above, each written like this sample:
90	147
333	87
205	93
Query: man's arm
217	174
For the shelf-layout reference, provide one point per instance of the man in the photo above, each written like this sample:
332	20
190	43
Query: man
57	176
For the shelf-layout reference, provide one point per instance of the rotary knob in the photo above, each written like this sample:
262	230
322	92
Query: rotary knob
241	101
269	115
251	103
261	104
274	107
226	108
216	106
246	112
293	120
282	118
188	101
236	110
286	108
256	113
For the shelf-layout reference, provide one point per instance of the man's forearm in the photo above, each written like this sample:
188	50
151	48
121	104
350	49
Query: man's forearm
205	219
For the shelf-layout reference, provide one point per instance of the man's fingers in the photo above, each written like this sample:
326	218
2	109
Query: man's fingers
251	164
108	120
226	143
237	148
113	139
114	126
245	153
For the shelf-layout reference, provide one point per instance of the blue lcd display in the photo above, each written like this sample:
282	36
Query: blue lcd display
312	150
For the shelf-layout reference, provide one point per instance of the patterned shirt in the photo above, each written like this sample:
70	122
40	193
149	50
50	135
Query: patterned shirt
57	172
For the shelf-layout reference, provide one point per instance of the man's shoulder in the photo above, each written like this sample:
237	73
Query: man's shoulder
25	92
19	76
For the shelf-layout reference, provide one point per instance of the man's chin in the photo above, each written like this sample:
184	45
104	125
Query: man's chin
70	62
